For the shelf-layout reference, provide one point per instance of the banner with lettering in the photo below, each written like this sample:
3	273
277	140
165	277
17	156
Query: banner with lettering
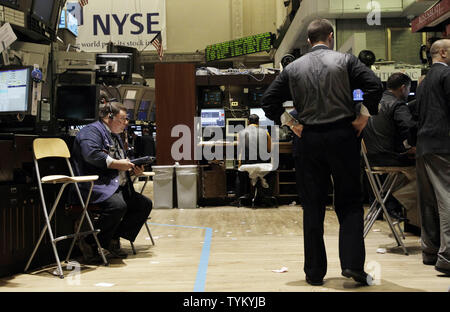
132	23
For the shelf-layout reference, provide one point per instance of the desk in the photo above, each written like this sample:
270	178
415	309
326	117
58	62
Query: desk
213	177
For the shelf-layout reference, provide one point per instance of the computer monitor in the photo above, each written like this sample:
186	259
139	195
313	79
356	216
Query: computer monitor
15	90
77	103
46	12
234	125
212	117
358	95
263	120
115	67
212	98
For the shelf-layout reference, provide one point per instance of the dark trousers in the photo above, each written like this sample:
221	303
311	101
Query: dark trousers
433	181
335	150
122	215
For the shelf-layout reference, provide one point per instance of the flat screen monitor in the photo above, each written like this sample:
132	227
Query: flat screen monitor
212	117
212	98
77	103
234	125
358	95
117	64
15	90
255	95
263	120
69	22
43	10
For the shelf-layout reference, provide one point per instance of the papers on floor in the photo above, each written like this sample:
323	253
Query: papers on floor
282	270
104	285
381	250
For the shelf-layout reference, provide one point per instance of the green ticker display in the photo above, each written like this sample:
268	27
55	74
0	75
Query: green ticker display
238	47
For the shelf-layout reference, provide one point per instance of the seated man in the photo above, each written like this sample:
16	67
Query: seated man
390	136
254	146
98	150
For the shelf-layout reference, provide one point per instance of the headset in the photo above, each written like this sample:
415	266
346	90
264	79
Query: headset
111	114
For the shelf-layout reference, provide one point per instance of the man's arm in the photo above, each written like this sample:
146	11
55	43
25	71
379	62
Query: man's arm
446	85
362	77
276	94
405	124
92	150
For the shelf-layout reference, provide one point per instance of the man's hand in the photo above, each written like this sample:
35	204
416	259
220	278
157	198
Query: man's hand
411	153
297	129
138	170
122	164
360	123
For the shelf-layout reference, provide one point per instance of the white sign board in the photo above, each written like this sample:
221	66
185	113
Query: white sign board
132	23
385	73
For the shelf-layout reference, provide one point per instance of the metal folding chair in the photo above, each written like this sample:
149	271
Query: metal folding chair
382	190
54	147
147	175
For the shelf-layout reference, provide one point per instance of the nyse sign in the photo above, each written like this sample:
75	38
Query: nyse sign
384	74
119	22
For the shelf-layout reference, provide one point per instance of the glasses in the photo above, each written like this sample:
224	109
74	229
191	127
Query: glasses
123	119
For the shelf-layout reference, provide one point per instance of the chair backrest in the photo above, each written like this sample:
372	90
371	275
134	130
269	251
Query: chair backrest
50	147
363	147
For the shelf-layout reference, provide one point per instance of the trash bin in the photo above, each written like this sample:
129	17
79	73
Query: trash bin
186	186
163	186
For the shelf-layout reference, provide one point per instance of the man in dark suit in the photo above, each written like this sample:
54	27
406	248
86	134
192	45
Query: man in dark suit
98	150
321	83
433	158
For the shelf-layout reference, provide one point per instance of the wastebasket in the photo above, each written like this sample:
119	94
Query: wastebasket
163	186
186	186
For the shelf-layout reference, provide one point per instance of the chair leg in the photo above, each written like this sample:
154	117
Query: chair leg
91	226
149	233
381	200
47	226
132	247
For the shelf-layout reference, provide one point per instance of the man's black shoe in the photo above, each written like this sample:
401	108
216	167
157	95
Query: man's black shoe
442	270
115	250
397	216
314	282
429	262
359	276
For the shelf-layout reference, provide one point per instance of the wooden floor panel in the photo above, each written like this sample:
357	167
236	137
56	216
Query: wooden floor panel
245	246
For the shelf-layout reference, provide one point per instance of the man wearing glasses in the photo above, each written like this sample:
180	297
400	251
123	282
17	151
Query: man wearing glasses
98	150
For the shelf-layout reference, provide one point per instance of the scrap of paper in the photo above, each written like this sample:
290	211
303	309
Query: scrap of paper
104	285
282	270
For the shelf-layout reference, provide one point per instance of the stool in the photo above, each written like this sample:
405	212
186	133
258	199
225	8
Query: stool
256	173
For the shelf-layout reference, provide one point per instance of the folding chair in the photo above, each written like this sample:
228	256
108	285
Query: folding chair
381	192
147	176
53	147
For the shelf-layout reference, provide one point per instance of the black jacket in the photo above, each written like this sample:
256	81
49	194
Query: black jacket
385	132
433	105
321	84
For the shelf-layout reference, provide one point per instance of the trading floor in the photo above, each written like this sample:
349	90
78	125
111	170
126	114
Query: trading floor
230	249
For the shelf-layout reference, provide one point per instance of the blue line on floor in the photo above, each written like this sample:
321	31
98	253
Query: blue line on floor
200	280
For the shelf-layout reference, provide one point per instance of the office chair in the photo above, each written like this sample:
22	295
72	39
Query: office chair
382	192
54	147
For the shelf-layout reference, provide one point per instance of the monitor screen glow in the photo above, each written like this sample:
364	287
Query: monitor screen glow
212	117
358	95
15	86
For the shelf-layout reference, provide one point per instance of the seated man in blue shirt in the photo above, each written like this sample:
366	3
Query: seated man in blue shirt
98	150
